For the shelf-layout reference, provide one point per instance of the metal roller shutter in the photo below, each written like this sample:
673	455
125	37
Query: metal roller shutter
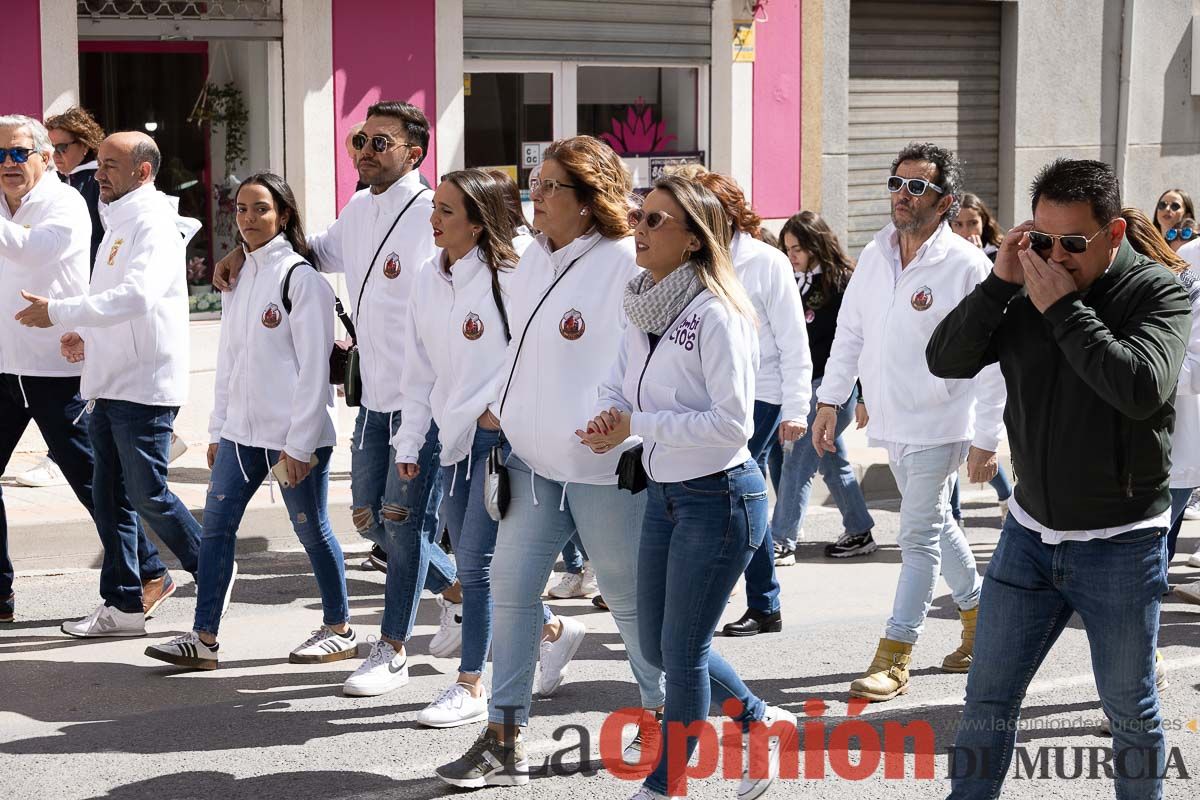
920	72
586	30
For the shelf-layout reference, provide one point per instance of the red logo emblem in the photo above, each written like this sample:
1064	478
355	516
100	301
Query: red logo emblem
922	299
572	326
272	316
472	327
391	267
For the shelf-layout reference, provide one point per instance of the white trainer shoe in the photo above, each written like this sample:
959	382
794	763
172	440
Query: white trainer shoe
1192	509
556	655
186	651
178	448
46	473
757	778
1189	592
455	706
325	646
382	671
107	621
647	794
1194	558
448	639
570	586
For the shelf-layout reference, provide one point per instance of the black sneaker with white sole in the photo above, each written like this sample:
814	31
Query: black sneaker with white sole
186	651
852	544
487	763
785	555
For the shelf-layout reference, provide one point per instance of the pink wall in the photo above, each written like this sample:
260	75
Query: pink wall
21	88
381	51
777	111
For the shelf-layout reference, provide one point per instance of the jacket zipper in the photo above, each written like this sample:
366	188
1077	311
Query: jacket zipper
1045	476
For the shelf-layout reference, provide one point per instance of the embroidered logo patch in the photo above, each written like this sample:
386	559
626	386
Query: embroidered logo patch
472	327
685	333
922	298
572	326
272	316
112	254
391	267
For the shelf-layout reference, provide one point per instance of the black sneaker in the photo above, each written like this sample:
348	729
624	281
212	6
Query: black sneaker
376	559
487	763
851	544
7	608
785	555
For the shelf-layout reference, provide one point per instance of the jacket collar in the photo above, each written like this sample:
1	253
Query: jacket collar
932	251
129	206
87	165
396	196
564	255
463	270
270	253
1124	261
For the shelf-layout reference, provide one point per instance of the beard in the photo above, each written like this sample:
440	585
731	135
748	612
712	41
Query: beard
918	219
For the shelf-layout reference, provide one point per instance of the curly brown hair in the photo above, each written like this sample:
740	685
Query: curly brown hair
602	183
80	124
1143	236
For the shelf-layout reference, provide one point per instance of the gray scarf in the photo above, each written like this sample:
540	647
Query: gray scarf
653	306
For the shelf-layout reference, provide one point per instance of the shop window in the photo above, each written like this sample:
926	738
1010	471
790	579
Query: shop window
508	117
640	111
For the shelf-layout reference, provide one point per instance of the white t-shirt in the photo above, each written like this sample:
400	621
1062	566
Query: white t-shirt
1050	536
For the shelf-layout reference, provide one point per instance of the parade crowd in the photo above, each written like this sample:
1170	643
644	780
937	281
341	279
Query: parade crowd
613	383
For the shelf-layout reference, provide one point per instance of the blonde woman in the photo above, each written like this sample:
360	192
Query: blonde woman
684	382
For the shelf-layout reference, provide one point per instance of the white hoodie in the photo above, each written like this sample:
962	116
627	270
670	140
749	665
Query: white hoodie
883	328
348	246
1185	441
692	399
272	384
44	249
785	364
571	345
454	350
139	299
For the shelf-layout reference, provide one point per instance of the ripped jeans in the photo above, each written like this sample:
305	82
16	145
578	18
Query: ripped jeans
236	474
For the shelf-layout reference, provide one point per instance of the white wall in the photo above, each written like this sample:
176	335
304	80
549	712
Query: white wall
60	56
309	142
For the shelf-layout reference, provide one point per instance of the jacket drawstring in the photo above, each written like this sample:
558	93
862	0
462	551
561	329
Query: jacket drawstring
470	453
270	474
562	501
362	437
237	452
533	486
88	407
25	399
454	479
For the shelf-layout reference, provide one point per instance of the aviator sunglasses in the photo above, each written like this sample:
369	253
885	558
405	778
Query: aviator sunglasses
1072	243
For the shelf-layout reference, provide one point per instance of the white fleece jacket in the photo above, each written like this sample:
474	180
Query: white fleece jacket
454	350
785	364
692	399
134	320
272	385
347	246
44	249
882	329
1185	441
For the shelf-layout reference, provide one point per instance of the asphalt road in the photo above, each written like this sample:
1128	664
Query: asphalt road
98	719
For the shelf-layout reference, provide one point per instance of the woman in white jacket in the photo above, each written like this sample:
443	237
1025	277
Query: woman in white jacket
684	382
271	418
455	338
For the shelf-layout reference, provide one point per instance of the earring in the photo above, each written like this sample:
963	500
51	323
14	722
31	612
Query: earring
583	212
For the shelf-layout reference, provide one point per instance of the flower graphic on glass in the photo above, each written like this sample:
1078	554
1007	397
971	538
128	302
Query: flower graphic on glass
638	132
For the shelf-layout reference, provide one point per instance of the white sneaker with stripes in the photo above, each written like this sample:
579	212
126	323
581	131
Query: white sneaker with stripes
324	646
186	651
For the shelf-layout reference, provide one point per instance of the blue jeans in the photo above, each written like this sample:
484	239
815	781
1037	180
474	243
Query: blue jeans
697	539
1179	501
400	516
1000	483
1032	590
132	443
762	586
795	481
473	534
542	515
929	539
574	555
237	473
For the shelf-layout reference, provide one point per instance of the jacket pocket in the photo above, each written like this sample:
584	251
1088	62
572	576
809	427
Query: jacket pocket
657	397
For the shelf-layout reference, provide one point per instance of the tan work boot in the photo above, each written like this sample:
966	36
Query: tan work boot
887	676
960	659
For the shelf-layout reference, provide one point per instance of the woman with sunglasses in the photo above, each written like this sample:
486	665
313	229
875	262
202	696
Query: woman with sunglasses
684	382
566	324
1172	207
455	339
1181	234
271	420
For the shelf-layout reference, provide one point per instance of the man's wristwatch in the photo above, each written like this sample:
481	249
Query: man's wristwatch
834	406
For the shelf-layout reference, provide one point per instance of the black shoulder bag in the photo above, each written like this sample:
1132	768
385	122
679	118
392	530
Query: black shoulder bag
338	355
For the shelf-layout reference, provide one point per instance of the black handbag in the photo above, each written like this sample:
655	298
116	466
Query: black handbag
631	475
343	351
495	486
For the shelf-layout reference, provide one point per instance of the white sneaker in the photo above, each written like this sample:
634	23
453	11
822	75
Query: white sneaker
382	671
570	586
186	651
107	621
1194	558
453	707
556	655
178	448
757	786
589	579
648	739
324	646
46	473
647	794
1189	592
229	590
1192	509
448	639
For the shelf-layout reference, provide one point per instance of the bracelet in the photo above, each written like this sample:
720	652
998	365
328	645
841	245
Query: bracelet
834	406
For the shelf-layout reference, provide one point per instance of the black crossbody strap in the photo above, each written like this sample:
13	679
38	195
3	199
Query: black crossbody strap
378	250
500	307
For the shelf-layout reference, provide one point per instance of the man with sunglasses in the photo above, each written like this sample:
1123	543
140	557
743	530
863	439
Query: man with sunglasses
44	232
1091	337
908	278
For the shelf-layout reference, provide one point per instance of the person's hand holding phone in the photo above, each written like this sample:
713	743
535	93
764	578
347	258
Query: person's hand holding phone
296	470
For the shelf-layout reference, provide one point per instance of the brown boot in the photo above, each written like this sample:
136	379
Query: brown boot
154	591
887	677
960	659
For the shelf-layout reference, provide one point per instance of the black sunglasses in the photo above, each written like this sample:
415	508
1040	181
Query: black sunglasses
62	148
1073	243
379	143
19	154
1180	233
1163	205
916	186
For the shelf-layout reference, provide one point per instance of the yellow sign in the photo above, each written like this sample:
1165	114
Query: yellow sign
508	169
466	84
743	41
